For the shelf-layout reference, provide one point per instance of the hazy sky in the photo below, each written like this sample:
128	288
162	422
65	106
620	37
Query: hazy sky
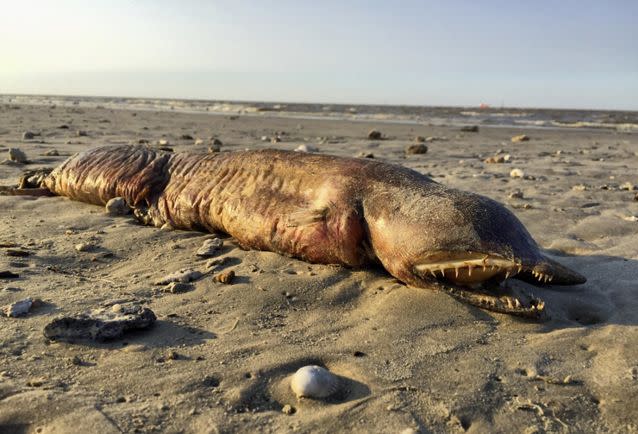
550	53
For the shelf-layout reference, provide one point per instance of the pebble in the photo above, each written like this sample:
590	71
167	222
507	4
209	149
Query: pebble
216	142
498	159
628	186
275	139
117	207
470	129
225	277
210	247
517	173
214	148
314	381
375	135
17	253
520	138
365	154
28	135
419	139
81	133
162	142
199	142
84	247
185	275
212	263
306	148
265	138
419	148
288	409
516	194
101	324
178	287
51	153
20	308
186	137
17	155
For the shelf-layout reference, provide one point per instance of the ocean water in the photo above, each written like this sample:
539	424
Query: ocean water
426	115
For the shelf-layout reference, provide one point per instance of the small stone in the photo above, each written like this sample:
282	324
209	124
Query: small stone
315	382
516	194
216	142
84	247
306	148
497	159
265	138
225	277
184	276
19	308
213	263
419	148
517	173
419	139
36	382
100	324
579	187
628	186
288	409
178	287
186	137
51	153
17	155
213	148
470	129
520	138
63	127
375	135
199	142
81	133
173	355
117	207
365	154
162	142
275	139
210	247
28	135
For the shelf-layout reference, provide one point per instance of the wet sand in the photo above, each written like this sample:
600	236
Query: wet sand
219	357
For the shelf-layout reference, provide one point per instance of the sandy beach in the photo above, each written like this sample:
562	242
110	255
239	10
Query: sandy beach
219	358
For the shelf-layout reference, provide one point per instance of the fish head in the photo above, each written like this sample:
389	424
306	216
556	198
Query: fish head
432	233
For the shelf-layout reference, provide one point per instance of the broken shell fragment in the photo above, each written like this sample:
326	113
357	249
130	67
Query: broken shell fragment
314	382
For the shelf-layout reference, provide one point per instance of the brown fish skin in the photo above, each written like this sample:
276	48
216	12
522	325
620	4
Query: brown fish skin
319	208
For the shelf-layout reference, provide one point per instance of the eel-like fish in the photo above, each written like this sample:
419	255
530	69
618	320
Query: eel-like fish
325	209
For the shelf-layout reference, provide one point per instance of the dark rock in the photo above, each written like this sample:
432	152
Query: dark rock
470	129
186	137
100	324
419	148
375	135
6	274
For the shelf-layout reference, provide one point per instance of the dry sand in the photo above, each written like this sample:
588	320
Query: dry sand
219	357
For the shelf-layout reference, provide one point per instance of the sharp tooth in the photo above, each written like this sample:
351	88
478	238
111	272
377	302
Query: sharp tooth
484	266
469	270
507	274
520	268
432	272
456	271
551	278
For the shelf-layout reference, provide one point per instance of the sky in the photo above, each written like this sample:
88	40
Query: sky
542	53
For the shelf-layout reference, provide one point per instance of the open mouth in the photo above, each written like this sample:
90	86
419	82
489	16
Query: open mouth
481	280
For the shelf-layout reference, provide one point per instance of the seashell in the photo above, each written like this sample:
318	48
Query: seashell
314	382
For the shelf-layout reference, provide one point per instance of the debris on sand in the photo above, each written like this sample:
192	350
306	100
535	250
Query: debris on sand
184	276
470	129
418	148
210	247
17	155
117	207
375	135
100	324
21	307
520	138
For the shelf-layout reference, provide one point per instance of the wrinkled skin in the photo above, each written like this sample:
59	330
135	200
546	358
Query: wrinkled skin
324	209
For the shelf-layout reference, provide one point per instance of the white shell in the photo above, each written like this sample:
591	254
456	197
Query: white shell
314	382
